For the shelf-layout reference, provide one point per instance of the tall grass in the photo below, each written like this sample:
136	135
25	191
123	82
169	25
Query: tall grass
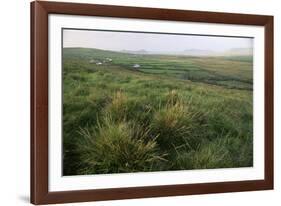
172	122
118	120
117	147
117	109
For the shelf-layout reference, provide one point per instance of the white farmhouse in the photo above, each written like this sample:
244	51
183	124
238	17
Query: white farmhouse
136	66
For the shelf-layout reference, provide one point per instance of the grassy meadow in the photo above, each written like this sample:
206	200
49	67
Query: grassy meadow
126	112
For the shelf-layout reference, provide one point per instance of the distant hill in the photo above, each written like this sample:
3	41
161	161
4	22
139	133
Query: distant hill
142	51
239	52
187	52
196	52
230	52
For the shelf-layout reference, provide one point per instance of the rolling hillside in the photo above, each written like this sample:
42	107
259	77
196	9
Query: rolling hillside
133	112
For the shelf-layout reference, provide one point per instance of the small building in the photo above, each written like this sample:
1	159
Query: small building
99	63
108	59
136	66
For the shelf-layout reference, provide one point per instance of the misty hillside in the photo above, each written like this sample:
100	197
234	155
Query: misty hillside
196	52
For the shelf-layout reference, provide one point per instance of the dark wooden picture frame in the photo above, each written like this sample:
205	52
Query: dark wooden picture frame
39	102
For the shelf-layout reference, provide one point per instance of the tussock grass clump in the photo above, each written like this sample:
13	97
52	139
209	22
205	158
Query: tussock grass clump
224	152
121	108
117	108
174	122
213	155
117	147
173	97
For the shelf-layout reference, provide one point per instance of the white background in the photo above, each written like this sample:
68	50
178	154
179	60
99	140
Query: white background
14	109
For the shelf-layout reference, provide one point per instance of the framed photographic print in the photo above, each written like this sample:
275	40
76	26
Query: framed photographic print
131	102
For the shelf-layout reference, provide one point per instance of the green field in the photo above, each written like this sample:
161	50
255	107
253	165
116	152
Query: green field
169	113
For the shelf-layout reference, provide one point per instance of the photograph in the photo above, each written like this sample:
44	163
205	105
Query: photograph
131	102
150	102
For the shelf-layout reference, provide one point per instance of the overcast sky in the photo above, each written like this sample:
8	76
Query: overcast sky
117	41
